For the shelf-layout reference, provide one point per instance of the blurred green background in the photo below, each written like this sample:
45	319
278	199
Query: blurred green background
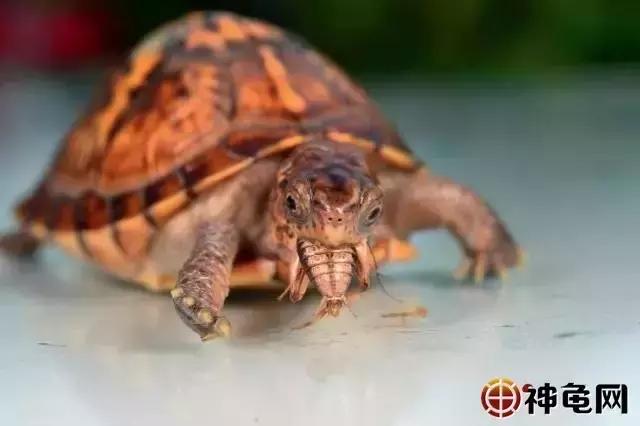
437	36
413	37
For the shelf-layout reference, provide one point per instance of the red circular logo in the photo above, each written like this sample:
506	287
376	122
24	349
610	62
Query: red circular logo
500	397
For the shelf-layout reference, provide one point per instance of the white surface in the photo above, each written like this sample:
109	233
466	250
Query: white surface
559	164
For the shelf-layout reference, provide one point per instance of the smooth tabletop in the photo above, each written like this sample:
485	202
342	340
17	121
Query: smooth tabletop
559	162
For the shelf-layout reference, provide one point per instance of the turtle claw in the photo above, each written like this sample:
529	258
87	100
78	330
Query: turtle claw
494	263
480	268
462	271
502	273
202	320
521	257
221	328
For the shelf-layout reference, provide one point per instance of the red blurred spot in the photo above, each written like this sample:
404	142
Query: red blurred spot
54	38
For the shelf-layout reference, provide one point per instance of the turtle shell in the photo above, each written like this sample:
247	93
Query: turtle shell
197	101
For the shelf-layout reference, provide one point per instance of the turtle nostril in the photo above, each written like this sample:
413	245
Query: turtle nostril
339	219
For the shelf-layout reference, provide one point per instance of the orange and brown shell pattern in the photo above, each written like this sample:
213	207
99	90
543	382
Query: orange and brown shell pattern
197	101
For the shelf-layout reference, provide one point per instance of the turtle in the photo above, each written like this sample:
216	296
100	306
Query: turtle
226	151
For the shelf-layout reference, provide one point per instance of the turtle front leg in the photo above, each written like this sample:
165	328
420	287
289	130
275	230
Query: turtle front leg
429	202
203	281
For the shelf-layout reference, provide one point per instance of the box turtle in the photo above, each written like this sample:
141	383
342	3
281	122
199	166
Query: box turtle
226	152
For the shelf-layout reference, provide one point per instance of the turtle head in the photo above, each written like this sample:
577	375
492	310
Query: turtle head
326	204
326	194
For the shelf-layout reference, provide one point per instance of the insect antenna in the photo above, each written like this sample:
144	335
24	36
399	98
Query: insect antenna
379	275
348	305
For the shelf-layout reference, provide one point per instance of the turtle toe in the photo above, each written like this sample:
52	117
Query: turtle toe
205	322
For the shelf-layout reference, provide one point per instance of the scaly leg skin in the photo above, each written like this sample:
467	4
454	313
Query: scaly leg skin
203	281
19	243
437	202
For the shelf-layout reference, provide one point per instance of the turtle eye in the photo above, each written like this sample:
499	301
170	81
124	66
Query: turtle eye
374	214
291	204
371	215
295	208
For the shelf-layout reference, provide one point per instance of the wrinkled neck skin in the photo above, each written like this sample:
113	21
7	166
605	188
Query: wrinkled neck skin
323	209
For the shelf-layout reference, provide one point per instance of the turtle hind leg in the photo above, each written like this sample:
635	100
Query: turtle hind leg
19	243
